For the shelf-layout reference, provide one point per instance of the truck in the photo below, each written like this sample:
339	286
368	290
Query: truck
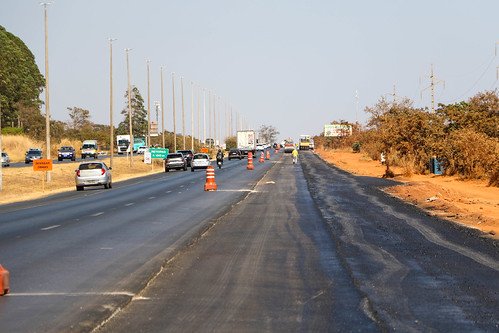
246	141
89	148
304	143
123	143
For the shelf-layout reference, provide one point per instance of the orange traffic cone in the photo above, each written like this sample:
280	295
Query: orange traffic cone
4	281
210	184
262	159
250	161
267	157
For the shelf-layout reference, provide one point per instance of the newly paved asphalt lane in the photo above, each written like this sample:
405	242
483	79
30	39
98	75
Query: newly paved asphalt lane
286	247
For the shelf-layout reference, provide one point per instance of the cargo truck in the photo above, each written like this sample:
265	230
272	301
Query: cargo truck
246	141
123	143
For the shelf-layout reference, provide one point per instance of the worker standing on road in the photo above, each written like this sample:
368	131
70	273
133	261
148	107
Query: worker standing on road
295	155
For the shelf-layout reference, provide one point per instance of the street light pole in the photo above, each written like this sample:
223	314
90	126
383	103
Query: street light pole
174	116
148	105
111	124
129	93
192	116
183	111
162	110
47	94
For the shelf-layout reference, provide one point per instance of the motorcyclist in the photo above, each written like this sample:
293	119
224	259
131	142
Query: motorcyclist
220	156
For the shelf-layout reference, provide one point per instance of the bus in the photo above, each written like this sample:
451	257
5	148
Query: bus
304	143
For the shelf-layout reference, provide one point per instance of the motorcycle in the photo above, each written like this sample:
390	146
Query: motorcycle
220	163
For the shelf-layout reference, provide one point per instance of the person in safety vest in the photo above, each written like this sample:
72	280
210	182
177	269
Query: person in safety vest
295	155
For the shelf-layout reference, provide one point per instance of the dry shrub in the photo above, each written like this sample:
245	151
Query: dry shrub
471	155
16	146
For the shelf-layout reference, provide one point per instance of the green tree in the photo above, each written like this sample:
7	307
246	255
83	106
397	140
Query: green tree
139	115
20	80
231	142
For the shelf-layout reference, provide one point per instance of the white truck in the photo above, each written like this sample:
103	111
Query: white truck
123	144
246	141
89	148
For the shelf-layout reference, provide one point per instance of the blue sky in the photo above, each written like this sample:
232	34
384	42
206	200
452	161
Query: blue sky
291	64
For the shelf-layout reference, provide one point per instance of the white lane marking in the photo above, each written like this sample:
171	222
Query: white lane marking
106	248
103	293
140	298
129	204
270	182
150	198
241	190
168	192
51	227
97	214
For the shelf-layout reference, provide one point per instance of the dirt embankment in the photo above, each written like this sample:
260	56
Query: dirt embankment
470	203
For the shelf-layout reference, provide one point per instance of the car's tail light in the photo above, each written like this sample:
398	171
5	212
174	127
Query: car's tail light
103	171
77	173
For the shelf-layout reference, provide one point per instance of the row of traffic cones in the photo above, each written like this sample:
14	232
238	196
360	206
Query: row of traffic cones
211	185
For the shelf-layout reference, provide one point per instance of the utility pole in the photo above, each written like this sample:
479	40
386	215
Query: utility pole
148	106
1	174
183	111
162	109
47	94
192	116
433	83
111	124
129	92
214	118
198	93
174	116
204	116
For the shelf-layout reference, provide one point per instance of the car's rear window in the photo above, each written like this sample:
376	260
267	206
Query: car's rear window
174	156
200	157
90	166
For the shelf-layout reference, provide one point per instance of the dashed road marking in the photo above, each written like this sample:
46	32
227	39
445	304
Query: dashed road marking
51	227
129	204
150	198
97	214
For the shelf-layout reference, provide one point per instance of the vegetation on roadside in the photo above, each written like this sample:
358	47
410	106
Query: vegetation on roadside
464	136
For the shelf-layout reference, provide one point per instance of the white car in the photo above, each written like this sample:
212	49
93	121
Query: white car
200	161
93	174
5	159
142	149
260	147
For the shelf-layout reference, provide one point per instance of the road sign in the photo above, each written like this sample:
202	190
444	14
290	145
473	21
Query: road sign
147	157
42	165
158	152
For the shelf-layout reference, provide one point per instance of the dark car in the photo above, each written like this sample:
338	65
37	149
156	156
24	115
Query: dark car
187	155
32	154
66	152
235	153
175	161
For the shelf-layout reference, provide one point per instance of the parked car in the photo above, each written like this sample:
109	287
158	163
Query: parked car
142	149
200	161
66	152
235	153
175	161
32	154
5	159
93	174
188	155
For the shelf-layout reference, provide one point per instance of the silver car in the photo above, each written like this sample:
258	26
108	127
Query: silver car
200	161
93	174
5	159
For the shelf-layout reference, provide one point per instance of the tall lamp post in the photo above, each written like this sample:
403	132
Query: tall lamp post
174	115
111	124
47	94
148	105
192	116
129	93
183	111
162	109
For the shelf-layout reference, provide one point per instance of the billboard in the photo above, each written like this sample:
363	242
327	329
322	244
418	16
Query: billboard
337	130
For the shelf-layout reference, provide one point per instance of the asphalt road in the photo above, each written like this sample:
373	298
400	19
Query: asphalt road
336	255
305	248
76	257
